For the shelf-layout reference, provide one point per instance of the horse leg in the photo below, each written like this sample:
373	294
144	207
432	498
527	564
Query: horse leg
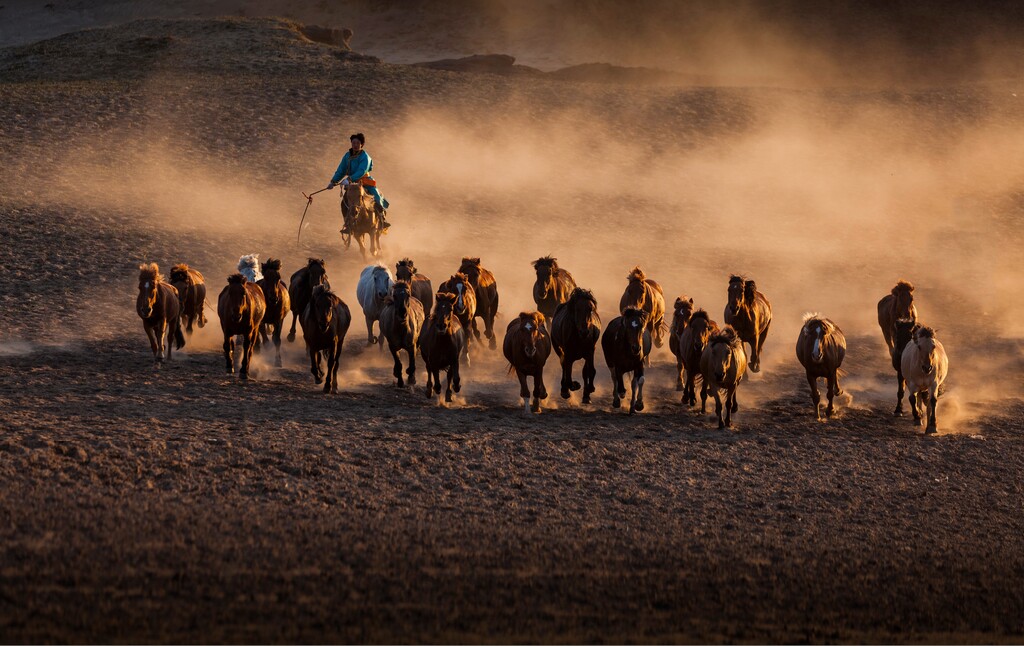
912	398
160	330
448	388
680	386
524	390
457	378
760	348
589	373
615	389
489	330
430	383
229	352
540	391
703	397
411	370
314	368
933	400
815	395
277	343
900	383
566	376
337	363
730	405
330	376
250	344
151	335
718	408
637	391
291	333
832	387
397	370
370	339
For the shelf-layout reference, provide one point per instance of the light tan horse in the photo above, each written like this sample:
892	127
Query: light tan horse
924	366
645	294
898	304
723	364
750	314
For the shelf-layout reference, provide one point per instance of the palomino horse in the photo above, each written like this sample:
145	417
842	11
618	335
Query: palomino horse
574	334
924	366
240	307
645	294
373	287
365	221
750	315
420	284
903	333
681	312
442	342
278	303
191	288
723	364
527	347
821	348
400	323
486	297
300	288
626	343
157	306
553	286
898	304
692	343
325	322
464	307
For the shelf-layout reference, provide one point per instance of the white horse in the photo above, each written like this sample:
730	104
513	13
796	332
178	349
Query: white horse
924	365
249	266
374	285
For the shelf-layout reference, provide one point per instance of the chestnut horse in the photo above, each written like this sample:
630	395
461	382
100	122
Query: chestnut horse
553	286
723	365
157	306
365	221
898	304
574	334
681	312
626	343
903	333
400	323
924	366
692	343
191	288
527	347
421	287
645	294
300	288
374	285
464	307
275	293
821	348
486	290
750	315
442	342
240	306
325	322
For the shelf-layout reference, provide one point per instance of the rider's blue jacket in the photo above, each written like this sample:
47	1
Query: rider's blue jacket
356	168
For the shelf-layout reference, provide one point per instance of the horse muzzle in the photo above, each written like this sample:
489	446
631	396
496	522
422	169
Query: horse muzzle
145	312
926	369
530	352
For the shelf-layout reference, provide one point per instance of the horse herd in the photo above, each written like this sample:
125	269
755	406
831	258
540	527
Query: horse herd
441	326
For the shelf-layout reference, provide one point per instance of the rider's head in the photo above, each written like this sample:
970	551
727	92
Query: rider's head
358	141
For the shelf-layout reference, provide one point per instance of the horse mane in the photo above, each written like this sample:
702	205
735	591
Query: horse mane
902	285
150	271
546	261
699	314
532	317
407	262
815	317
272	264
636	274
471	261
736	278
582	294
237	279
180	272
726	335
632	312
924	333
315	261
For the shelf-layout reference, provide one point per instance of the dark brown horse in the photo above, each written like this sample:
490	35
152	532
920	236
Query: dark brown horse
552	287
681	312
626	343
645	294
750	315
278	303
421	288
442	342
365	221
898	304
157	306
692	343
464	307
903	333
574	334
527	347
325	322
723	365
300	288
486	297
400	323
240	306
191	288
821	348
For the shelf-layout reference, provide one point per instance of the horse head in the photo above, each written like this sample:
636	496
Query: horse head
634	322
271	270
179	273
460	282
444	308
583	309
405	269
924	339
400	294
382	281
702	328
735	294
149	279
317	269
236	303
545	268
903	300
531	332
471	268
683	309
723	345
816	328
322	303
636	290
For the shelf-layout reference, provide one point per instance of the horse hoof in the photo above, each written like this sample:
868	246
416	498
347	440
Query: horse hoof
564	393
291	338
898	412
586	399
829	412
447	398
244	376
317	381
429	392
756	368
575	386
457	387
640	406
721	425
399	384
535	407
917	422
679	388
931	430
615	403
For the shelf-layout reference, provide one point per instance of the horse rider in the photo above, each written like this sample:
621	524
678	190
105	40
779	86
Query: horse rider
355	168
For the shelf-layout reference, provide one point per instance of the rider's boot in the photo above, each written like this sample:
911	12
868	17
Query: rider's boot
347	229
384	224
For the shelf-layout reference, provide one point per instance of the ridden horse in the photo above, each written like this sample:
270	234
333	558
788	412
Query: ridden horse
300	288
191	288
325	322
903	333
486	290
421	287
442	342
898	304
750	315
692	343
364	222
681	312
821	348
275	293
527	346
373	287
158	307
400	323
626	343
574	334
553	286
249	266
723	365
925	366
240	306
645	294
465	305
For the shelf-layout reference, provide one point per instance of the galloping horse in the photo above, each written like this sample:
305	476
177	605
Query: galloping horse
750	315
724	363
400	323
645	294
486	297
626	343
300	288
275	293
821	348
442	342
527	347
925	366
574	334
191	288
157	306
325	322
464	306
898	304
692	343
681	312
365	221
374	284
420	284
240	307
553	286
